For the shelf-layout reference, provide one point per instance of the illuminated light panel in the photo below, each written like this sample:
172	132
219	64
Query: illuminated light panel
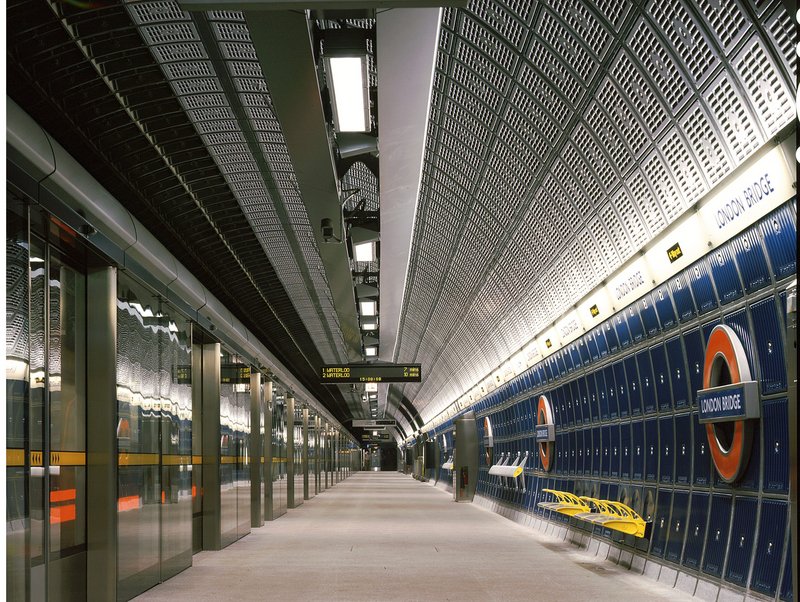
368	308
348	77
371	351
371	387
364	251
369	326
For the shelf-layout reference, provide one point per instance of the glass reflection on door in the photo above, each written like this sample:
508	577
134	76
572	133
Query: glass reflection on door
154	440
57	426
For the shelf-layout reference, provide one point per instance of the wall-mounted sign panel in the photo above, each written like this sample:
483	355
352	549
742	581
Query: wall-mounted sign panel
234	374
752	194
333	374
371	424
545	432
738	401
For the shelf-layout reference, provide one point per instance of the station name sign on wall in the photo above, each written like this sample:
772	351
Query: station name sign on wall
738	401
333	374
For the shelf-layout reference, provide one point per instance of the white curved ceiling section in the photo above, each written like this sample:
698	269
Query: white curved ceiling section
563	137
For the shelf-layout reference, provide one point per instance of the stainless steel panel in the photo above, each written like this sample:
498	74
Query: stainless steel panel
256	450
101	447
211	446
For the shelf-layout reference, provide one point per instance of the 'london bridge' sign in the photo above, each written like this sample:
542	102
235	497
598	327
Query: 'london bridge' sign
738	401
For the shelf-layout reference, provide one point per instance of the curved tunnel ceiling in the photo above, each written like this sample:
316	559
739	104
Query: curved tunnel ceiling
563	137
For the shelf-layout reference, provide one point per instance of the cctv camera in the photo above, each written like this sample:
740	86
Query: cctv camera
327	229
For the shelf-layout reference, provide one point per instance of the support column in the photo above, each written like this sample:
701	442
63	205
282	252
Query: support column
101	446
317	456
326	458
256	449
212	539
306	495
294	498
268	454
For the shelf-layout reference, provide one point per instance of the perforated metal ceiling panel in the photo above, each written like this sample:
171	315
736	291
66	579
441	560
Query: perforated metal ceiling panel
171	113
563	137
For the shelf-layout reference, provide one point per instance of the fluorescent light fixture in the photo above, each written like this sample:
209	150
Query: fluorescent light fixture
370	387
371	351
368	307
172	326
364	251
36	260
374	433
148	312
349	92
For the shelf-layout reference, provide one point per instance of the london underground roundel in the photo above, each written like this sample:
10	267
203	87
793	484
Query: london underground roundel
725	364
544	415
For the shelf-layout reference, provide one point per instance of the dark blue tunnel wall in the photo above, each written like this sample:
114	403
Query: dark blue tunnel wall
626	420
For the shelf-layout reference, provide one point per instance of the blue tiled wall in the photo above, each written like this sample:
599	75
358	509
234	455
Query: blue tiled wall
626	420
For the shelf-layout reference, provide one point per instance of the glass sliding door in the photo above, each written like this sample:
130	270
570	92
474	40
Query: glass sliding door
154	440
234	466
46	413
18	523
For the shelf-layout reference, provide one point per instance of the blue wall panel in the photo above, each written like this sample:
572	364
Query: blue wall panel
677	526
575	355
726	278
591	346
695	357
611	392
651	453
666	446
683	449
586	412
635	323
677	373
702	287
605	452
638	450
664	309
611	336
615	450
775	419
682	297
602	343
742	537
634	389
622	330
780	240
751	260
772	528
658	356
621	388
602	397
596	451
646	381
696	530
625	450
769	344
717	539
647	312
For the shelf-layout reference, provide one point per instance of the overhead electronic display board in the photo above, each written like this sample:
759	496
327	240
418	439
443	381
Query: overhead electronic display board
333	374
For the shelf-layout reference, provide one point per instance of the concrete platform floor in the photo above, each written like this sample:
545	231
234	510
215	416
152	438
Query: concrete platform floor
385	536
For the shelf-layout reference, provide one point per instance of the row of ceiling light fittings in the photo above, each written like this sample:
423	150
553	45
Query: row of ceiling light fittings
348	100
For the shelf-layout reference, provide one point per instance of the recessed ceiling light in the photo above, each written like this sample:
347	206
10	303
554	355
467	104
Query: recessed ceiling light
368	307
371	351
348	77
364	251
